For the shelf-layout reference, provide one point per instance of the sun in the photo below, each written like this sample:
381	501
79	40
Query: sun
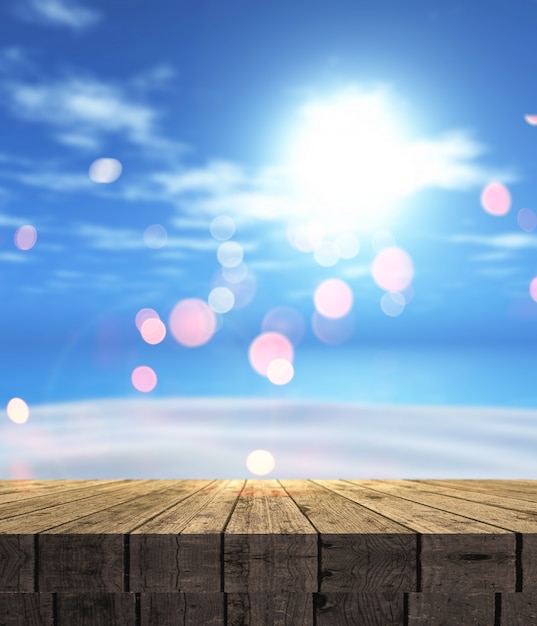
348	159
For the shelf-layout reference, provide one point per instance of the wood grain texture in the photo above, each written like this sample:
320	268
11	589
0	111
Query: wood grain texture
181	609
95	609
360	550
269	545
453	609
181	549
270	609
87	554
26	609
519	609
521	489
457	552
350	609
17	563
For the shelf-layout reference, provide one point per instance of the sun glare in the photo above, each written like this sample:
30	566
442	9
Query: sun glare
348	160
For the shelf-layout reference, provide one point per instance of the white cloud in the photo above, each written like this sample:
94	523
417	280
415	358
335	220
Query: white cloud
57	12
506	241
54	181
82	111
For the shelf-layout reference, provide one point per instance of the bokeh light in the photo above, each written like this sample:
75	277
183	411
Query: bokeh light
222	227
260	462
527	220
326	254
192	322
496	199
153	330
145	314
18	411
393	269
333	298
332	331
243	291
533	289
280	372
235	274
287	321
221	299
347	245
230	254
144	378
268	347
531	119
155	236
25	237
105	170
392	303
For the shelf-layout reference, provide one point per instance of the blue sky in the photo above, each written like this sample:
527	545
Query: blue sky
218	109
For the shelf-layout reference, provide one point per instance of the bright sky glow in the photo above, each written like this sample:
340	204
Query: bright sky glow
18	411
260	462
533	289
268	347
280	372
143	315
153	331
348	181
25	237
155	236
496	199
333	298
393	269
192	322
144	379
105	170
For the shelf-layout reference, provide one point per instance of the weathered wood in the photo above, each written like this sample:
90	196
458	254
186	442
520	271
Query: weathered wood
24	492
454	608
521	489
56	497
95	609
360	550
269	545
181	549
26	609
519	608
87	554
181	609
350	609
457	553
270	609
17	563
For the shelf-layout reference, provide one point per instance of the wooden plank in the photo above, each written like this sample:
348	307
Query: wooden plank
270	609
17	563
349	609
454	608
87	554
269	545
43	519
181	609
523	523
511	503
95	609
360	550
519	608
18	493
457	553
26	609
523	490
181	549
40	501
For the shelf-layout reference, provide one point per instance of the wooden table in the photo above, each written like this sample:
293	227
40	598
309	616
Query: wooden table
263	552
